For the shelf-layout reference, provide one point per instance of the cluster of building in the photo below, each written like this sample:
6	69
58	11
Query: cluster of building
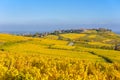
56	32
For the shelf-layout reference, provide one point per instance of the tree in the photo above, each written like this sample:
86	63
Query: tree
117	47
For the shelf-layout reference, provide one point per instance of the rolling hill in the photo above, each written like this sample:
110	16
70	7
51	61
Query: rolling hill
89	55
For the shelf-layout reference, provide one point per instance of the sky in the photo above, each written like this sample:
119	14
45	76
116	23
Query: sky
46	15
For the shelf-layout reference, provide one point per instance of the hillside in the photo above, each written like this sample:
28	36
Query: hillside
87	55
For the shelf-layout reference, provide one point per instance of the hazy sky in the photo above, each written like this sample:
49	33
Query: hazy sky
54	14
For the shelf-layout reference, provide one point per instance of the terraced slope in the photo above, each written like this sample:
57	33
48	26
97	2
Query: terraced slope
52	46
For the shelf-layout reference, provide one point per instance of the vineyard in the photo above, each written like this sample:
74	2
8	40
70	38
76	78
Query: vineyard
85	56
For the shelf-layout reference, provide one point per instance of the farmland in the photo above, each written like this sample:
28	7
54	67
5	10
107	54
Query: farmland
90	57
